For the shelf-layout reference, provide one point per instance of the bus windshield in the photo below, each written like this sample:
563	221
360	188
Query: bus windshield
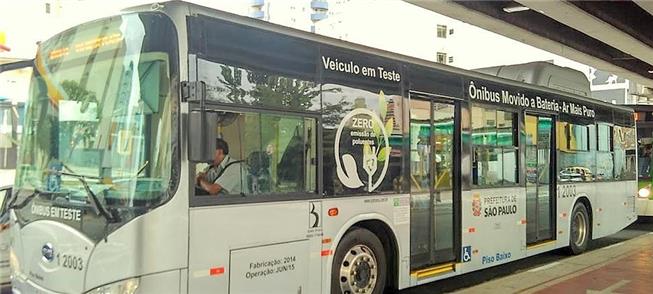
97	141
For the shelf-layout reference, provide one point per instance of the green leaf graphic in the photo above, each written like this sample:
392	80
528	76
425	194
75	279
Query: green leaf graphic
377	129
367	149
383	105
382	153
389	125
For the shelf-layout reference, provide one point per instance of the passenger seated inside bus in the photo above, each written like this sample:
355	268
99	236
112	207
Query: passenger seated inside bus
227	175
224	175
275	154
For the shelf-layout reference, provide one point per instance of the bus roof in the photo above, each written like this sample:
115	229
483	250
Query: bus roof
176	7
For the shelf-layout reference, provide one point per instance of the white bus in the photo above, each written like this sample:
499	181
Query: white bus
11	114
8	148
361	170
14	80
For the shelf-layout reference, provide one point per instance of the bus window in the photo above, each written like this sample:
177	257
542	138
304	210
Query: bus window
494	147
604	156
576	153
266	154
624	153
235	85
339	101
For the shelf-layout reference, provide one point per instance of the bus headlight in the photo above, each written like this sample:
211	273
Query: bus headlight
128	286
644	192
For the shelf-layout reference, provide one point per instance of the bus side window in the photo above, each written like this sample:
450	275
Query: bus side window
276	152
495	147
624	152
579	158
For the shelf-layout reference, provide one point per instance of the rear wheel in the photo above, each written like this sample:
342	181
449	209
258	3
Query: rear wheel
359	265
579	234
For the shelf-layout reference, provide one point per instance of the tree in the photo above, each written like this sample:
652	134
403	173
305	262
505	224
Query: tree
333	113
232	80
79	131
267	90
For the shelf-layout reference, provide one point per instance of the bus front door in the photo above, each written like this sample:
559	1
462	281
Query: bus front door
540	181
433	135
14	85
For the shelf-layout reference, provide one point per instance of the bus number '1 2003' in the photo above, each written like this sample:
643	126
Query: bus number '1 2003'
565	191
70	261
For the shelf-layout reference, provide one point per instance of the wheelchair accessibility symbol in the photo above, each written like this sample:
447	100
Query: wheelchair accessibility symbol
467	253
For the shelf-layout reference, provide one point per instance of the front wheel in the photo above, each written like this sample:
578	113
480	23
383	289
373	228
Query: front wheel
359	265
580	229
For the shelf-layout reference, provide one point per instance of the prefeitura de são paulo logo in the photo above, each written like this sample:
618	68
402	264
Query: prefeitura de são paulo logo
476	204
361	147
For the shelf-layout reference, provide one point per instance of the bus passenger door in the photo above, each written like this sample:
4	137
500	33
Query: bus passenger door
14	86
540	181
434	133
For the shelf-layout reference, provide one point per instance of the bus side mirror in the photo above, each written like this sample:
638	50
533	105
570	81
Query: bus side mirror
202	130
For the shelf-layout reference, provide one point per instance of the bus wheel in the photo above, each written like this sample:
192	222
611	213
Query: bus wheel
580	229
359	265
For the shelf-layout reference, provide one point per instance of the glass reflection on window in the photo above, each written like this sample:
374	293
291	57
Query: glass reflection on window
443	130
604	166
505	135
509	160
339	100
420	146
494	144
575	157
276	153
232	84
604	137
489	166
624	153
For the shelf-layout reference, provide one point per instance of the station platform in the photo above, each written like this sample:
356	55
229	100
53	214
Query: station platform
625	267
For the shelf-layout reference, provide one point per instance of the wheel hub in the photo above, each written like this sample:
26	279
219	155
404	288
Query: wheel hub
579	229
363	273
358	271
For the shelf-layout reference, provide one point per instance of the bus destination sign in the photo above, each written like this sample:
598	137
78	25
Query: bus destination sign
478	92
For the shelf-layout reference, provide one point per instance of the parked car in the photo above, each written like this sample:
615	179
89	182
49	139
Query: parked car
575	174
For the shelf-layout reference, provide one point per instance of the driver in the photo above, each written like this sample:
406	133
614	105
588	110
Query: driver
224	176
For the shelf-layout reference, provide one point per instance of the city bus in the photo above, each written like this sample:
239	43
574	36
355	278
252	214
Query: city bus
360	170
10	127
644	122
8	151
12	77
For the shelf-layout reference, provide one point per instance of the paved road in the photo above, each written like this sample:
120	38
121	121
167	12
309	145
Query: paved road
475	278
614	269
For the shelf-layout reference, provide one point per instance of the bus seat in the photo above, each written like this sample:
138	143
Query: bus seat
258	172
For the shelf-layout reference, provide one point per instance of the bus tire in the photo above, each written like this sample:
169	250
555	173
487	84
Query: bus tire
579	231
359	264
